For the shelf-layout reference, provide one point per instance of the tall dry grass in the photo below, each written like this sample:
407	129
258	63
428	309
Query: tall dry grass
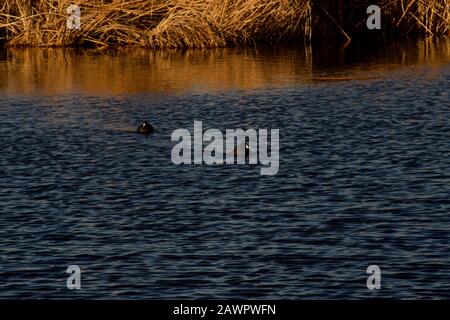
154	23
203	23
428	17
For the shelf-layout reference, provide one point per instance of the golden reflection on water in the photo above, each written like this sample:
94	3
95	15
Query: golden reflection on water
125	71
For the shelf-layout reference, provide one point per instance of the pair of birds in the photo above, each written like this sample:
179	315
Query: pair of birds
146	128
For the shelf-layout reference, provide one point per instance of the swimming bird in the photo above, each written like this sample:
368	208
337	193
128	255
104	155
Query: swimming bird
145	127
247	151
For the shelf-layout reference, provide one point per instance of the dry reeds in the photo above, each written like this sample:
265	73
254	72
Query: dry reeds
200	23
154	23
429	17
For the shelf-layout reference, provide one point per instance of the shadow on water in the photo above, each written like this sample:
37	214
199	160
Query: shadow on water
123	71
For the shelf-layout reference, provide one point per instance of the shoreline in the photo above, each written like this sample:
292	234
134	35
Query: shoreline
188	24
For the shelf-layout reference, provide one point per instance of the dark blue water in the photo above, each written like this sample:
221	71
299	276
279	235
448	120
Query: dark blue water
364	179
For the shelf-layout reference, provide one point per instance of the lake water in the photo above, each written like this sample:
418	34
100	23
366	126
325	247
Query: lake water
364	174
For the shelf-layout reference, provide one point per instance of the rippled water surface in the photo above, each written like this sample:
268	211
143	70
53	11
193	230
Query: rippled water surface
364	173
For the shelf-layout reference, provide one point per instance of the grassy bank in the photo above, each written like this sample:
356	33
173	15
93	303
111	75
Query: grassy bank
210	23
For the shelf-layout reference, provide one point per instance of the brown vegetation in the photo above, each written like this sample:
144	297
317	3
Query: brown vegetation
206	23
